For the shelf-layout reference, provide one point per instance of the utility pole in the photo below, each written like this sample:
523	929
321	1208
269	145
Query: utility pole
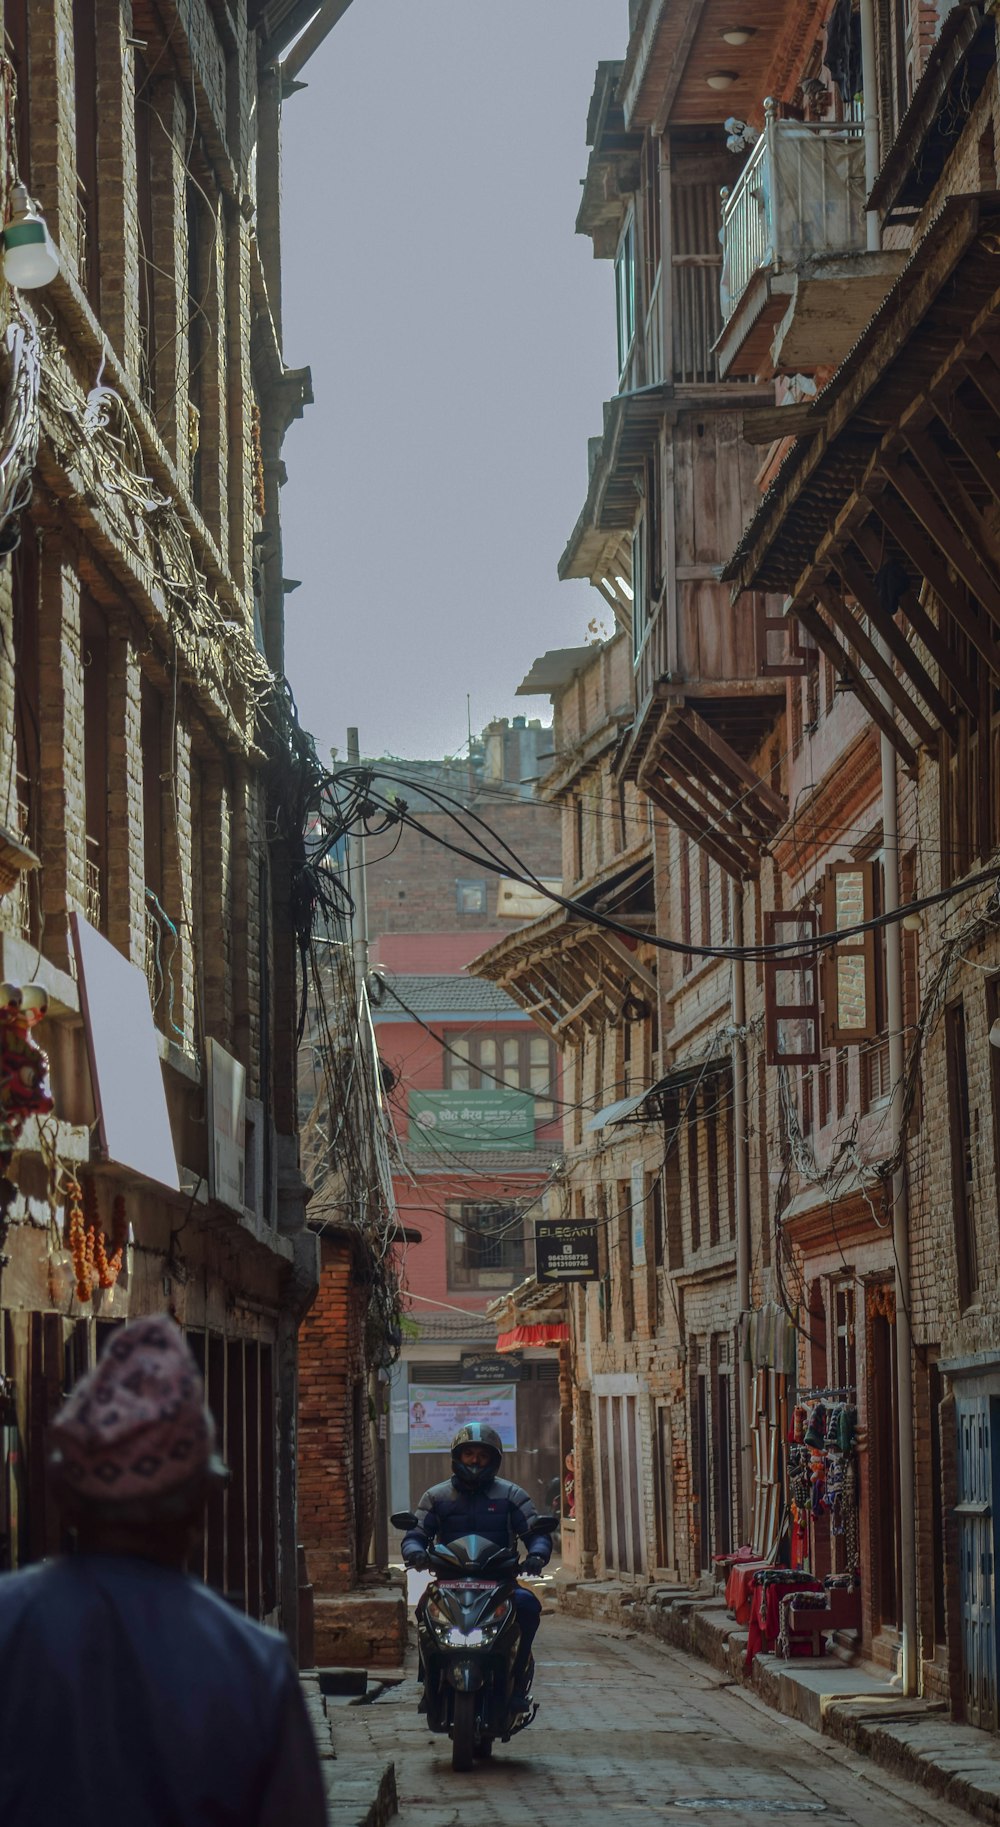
369	1066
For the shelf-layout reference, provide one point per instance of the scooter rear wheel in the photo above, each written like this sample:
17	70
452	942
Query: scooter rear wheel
463	1732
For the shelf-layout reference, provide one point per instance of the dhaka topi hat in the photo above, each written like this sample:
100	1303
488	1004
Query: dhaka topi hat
136	1426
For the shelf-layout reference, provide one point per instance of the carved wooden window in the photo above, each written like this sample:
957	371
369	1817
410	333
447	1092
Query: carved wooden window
784	650
847	968
791	989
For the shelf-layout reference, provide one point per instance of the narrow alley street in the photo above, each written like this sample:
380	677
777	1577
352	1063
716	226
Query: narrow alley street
639	1732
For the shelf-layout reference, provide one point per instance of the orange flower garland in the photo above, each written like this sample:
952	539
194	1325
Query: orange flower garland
92	1265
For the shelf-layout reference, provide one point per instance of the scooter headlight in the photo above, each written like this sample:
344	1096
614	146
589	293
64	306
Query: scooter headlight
466	1639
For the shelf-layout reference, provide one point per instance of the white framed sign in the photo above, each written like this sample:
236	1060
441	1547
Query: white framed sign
638	1215
129	1094
226	1083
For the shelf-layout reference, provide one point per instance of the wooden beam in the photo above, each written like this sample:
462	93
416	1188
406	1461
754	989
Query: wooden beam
848	670
930	510
866	650
640	972
871	546
687	770
735	764
910	536
735	811
864	589
960	425
566	1021
736	859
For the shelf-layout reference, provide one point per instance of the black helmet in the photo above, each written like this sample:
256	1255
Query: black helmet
475	1477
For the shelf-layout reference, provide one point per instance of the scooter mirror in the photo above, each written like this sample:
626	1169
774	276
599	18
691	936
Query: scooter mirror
403	1519
545	1524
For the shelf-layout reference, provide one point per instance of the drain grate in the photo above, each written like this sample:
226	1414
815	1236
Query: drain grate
744	1804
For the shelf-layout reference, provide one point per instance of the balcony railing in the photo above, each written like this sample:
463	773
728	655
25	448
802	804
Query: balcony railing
801	195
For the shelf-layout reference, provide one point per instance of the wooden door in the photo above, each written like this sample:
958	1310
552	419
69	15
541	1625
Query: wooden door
978	1418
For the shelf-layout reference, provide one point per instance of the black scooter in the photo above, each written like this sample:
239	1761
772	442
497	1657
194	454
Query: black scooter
468	1639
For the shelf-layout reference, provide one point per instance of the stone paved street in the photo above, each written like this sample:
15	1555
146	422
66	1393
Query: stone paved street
639	1734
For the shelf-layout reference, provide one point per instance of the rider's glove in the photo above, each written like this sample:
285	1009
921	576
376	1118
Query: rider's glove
533	1563
418	1559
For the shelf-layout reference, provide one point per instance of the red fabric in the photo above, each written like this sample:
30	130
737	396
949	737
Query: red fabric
765	1614
532	1335
739	1589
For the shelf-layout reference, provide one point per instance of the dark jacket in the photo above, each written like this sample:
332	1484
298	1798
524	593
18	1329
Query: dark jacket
502	1512
171	1706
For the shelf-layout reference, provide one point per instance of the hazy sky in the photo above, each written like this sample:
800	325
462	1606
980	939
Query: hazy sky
461	338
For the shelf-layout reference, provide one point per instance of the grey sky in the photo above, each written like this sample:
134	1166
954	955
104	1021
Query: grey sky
461	339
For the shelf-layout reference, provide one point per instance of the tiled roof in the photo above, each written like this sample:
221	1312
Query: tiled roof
441	994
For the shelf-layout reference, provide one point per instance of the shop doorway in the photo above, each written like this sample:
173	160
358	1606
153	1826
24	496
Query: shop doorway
976	1511
623	1544
664	1485
703	1470
885	1460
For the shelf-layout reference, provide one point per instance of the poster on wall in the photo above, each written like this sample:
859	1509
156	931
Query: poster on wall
438	1410
638	1215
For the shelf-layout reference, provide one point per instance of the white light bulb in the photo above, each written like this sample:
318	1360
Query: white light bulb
30	256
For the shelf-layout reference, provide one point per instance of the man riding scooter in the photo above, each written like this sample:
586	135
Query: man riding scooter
476	1502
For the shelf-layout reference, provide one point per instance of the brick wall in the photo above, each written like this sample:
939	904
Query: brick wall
336	1469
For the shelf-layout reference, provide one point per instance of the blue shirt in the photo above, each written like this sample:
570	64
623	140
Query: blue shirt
133	1696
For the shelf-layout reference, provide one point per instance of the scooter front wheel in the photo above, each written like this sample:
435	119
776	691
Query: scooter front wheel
463	1732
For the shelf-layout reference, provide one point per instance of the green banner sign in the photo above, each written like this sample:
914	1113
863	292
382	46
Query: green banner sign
468	1121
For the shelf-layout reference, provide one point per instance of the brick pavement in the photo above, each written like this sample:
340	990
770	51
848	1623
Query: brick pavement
641	1733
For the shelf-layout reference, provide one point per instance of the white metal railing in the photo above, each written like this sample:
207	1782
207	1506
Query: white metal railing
800	194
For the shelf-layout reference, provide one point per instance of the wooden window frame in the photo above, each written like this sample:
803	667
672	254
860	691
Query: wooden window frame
804	961
860	945
482	1079
463	1229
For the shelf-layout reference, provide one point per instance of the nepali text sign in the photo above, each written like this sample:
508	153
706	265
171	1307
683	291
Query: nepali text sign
490	1367
466	1121
566	1252
438	1410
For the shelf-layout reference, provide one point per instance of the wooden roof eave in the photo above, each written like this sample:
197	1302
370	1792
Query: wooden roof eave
759	561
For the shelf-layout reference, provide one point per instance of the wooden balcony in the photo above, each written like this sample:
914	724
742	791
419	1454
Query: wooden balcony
798	286
702	715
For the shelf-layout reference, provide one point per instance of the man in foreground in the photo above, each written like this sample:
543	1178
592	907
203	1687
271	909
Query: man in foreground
133	1696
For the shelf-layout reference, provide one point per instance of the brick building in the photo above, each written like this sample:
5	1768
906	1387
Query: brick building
792	510
147	783
473	1092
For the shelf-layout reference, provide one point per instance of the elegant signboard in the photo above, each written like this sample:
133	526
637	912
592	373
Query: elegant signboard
566	1251
438	1410
226	1086
491	1366
464	1122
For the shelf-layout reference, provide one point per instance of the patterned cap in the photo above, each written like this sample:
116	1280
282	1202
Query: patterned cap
136	1426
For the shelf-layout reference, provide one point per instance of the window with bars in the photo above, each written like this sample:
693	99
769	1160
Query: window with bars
486	1243
517	1062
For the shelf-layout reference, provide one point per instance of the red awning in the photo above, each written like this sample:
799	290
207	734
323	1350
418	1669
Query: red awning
551	1334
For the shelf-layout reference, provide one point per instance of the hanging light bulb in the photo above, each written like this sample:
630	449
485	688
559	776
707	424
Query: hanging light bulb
30	256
